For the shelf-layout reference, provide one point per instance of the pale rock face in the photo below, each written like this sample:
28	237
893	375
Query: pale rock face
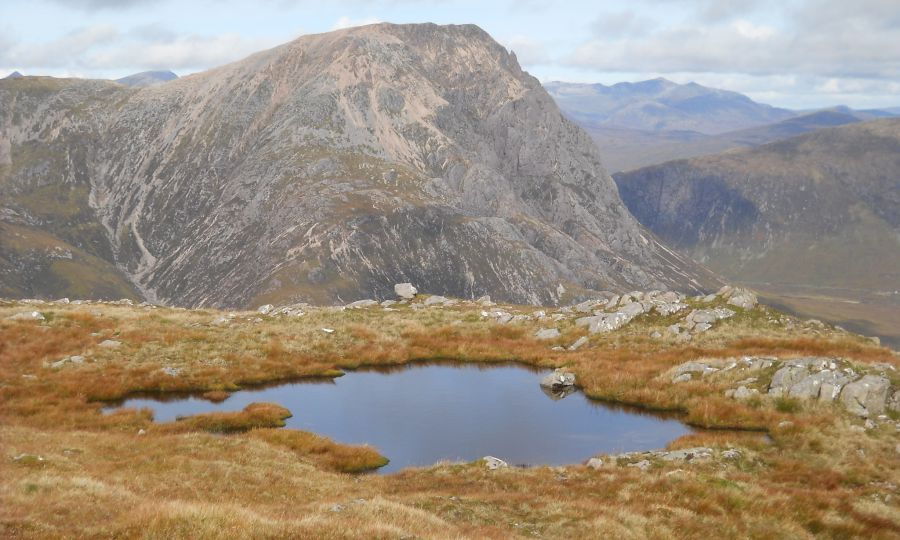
547	333
867	396
405	291
321	169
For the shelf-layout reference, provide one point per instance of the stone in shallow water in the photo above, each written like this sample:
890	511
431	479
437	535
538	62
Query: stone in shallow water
558	378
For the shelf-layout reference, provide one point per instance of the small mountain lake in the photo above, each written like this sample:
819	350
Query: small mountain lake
421	414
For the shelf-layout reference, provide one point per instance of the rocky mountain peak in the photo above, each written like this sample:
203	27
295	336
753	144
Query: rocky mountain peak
338	164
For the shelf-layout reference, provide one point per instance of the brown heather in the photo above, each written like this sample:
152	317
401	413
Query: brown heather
230	475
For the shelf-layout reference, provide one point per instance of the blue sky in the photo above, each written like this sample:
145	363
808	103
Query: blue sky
792	53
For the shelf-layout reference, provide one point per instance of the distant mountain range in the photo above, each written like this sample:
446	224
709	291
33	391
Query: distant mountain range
147	78
14	75
650	122
662	105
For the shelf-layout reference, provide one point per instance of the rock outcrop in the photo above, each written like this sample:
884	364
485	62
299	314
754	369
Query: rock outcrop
808	378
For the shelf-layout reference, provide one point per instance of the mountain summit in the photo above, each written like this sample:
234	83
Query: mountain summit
326	169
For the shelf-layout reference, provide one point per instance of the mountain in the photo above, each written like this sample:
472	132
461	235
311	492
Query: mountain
14	75
323	170
626	150
147	78
662	105
821	210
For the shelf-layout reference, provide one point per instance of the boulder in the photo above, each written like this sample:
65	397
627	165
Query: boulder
359	304
608	322
688	454
867	396
264	310
785	378
595	463
493	463
558	378
547	333
407	291
894	403
742	392
742	298
110	344
580	342
434	300
693	367
642	465
27	316
668	308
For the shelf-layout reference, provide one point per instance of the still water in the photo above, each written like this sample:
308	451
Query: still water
422	414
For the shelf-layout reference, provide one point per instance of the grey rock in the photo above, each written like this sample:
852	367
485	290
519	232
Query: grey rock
731	453
110	344
743	298
547	333
558	378
435	300
406	291
493	463
360	304
684	377
643	465
580	342
595	463
688	454
699	368
867	396
265	309
742	392
27	316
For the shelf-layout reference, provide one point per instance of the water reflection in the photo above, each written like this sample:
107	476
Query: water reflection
421	414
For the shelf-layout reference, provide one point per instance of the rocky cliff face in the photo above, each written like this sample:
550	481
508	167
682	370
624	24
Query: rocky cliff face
818	210
330	168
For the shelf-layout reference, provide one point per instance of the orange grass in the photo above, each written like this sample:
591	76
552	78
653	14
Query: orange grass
815	477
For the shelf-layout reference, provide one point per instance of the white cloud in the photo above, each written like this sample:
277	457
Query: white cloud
104	48
529	51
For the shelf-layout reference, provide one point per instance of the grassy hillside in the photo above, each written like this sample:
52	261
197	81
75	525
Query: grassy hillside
820	472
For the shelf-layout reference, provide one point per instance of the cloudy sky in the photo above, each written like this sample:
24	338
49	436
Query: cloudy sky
792	53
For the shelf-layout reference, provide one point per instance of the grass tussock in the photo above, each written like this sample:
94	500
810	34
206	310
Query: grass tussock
254	416
323	451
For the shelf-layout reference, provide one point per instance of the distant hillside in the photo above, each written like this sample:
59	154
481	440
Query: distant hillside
14	75
147	78
662	105
818	210
626	150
